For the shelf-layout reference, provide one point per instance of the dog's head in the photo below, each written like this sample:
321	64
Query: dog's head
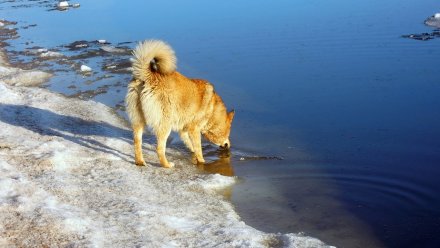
220	128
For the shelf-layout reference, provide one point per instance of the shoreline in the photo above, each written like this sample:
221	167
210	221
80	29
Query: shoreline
68	179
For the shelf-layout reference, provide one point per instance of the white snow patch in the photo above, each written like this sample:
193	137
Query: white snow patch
63	4
216	181
112	49
19	77
433	21
180	224
51	54
85	68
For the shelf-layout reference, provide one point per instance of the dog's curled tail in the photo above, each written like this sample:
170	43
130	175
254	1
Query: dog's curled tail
152	56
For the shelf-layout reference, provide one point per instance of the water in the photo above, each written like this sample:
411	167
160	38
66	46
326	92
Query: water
331	87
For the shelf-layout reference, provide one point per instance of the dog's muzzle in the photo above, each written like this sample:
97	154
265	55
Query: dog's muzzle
225	146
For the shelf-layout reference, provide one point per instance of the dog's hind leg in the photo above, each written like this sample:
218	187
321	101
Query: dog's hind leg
138	130
136	116
162	136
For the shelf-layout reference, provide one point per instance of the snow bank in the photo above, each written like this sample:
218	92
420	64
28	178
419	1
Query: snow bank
67	178
19	77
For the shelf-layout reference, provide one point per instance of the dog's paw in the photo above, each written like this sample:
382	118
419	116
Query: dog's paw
140	163
169	165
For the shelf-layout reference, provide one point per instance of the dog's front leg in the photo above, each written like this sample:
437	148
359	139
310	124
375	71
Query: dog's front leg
162	136
186	140
196	140
138	130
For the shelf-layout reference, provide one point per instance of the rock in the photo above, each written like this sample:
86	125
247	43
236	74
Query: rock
85	68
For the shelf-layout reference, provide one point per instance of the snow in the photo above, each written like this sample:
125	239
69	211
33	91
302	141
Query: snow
112	49
215	182
19	77
67	178
85	68
51	54
433	21
63	4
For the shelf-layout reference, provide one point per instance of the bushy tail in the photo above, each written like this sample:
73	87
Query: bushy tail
152	56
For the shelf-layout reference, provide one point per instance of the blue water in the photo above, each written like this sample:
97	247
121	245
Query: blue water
329	86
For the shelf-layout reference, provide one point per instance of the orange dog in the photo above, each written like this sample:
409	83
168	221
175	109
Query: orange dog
165	100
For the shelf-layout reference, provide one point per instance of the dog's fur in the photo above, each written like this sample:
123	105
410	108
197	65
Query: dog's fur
165	100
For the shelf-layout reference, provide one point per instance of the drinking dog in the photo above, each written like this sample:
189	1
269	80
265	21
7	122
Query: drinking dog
160	97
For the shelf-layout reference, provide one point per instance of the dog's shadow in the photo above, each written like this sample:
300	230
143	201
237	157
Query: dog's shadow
74	129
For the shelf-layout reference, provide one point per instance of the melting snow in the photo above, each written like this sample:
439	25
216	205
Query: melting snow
67	178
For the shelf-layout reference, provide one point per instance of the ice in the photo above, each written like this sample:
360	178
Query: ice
85	68
19	77
112	49
216	181
67	178
63	4
51	54
433	21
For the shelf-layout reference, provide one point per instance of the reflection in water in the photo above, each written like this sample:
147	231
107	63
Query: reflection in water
220	163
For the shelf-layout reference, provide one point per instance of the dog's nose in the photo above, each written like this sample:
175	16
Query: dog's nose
225	146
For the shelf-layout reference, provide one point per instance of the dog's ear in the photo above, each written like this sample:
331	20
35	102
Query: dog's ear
231	115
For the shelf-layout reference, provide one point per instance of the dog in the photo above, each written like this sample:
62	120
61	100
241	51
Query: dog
160	97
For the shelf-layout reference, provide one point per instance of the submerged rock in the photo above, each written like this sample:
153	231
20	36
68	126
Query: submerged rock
77	45
423	36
